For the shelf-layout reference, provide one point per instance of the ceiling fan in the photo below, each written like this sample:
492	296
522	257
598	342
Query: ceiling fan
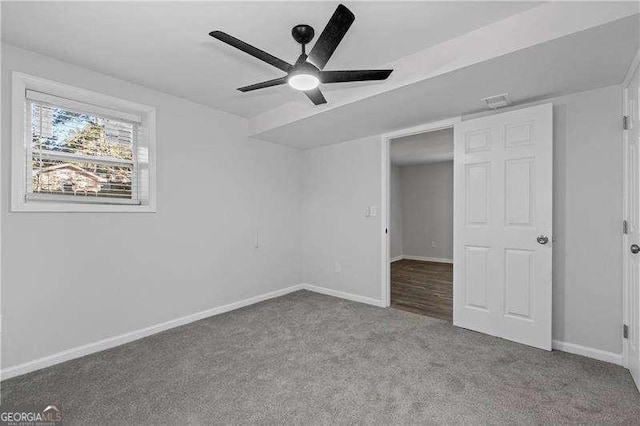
308	71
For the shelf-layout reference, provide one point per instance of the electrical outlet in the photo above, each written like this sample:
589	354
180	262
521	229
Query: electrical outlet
338	267
433	243
373	211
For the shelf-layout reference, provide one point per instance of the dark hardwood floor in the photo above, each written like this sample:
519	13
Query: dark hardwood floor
423	287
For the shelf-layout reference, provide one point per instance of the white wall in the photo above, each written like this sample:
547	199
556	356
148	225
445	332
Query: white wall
395	213
587	258
427	210
73	279
340	181
587	291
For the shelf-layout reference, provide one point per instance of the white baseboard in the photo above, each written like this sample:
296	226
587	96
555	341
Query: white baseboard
395	259
426	259
342	295
111	342
598	354
636	380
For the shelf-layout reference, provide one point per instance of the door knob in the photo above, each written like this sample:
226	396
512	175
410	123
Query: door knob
543	239
635	248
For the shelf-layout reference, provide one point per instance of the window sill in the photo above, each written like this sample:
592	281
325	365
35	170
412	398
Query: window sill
56	207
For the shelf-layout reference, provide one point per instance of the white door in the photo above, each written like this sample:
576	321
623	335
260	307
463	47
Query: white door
632	238
502	225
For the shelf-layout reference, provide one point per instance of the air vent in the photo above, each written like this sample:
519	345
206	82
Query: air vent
497	101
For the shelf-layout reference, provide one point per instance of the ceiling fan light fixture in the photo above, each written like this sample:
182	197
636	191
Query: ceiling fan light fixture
303	81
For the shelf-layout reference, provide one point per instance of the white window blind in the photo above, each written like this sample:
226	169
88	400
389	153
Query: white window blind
80	152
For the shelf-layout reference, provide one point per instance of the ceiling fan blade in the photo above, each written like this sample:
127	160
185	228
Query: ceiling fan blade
331	36
316	96
262	85
253	51
353	75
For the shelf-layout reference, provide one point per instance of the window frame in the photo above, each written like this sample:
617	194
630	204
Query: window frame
144	156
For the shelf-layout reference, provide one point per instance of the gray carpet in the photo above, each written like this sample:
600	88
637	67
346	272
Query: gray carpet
309	358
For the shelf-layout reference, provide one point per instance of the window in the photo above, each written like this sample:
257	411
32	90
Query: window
79	150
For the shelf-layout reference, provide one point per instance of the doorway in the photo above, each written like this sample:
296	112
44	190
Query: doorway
421	223
502	224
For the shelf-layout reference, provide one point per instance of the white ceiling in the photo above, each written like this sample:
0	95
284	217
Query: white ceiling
423	148
165	45
589	59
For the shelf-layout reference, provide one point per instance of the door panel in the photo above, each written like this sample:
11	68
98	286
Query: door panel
518	282
478	141
476	280
520	189
477	179
502	203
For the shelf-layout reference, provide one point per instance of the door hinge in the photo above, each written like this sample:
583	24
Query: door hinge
625	122
625	227
625	331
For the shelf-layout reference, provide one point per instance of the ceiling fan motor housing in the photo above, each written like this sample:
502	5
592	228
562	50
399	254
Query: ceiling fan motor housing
305	68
